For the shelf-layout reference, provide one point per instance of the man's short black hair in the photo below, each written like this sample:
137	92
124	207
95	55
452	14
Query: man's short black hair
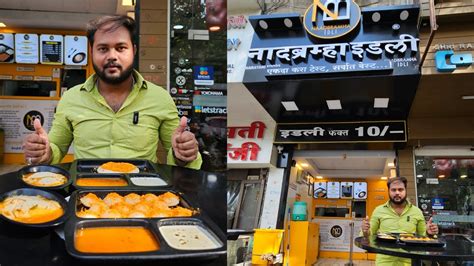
396	179
111	23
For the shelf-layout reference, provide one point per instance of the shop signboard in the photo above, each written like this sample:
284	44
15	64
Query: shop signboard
203	75
75	50
328	42
51	49
319	190
360	190
346	190
334	191
16	119
393	131
448	61
7	48
249	145
26	48
335	234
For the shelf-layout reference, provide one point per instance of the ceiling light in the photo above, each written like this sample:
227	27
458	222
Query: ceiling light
128	2
334	104
288	23
290	106
468	97
391	165
419	175
304	165
319	177
214	28
463	176
178	27
376	17
2	25
381	102
383	178
441	176
404	15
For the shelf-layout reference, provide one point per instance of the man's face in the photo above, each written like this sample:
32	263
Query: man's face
397	193
112	55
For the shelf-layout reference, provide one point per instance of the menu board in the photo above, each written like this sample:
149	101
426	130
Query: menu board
360	190
26	48
7	48
319	190
51	49
75	50
333	190
346	190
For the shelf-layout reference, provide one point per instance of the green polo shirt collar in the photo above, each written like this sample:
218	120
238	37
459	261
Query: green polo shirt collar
91	82
406	209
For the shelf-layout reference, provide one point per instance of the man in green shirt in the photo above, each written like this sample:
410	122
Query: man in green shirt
397	216
115	113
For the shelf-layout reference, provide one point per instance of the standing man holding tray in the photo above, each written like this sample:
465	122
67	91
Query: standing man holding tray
397	215
115	113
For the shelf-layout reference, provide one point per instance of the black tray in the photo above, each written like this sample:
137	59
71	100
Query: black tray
439	243
127	177
47	194
165	251
91	165
45	168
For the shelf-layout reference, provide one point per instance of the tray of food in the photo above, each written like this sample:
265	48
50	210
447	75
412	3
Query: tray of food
117	173
386	237
33	207
408	239
131	224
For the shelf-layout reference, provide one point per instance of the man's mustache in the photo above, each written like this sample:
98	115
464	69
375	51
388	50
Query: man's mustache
112	64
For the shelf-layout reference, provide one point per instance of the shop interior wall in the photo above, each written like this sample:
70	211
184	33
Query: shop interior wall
39	70
153	47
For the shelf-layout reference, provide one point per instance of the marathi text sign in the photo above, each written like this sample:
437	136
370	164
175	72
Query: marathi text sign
394	131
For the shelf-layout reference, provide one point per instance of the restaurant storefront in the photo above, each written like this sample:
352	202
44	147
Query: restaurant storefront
339	90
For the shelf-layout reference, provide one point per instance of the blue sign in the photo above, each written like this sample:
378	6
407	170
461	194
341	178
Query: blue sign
203	75
437	203
455	60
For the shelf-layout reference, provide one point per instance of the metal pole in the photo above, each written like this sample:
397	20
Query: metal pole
351	245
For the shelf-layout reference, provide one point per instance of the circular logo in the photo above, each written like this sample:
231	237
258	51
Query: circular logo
174	90
330	19
2	37
30	117
177	70
336	231
51	37
180	80
76	38
26	37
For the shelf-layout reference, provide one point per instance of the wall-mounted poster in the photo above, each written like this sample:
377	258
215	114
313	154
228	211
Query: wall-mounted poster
75	50
51	49
334	190
360	190
319	190
346	190
26	48
7	48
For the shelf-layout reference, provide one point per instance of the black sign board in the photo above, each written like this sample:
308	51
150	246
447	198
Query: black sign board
390	131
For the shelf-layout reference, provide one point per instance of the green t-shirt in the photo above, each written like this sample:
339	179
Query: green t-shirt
385	220
84	116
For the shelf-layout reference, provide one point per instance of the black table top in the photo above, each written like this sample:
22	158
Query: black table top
456	249
21	245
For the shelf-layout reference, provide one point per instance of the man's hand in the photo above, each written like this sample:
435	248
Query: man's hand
431	228
366	226
36	145
185	145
